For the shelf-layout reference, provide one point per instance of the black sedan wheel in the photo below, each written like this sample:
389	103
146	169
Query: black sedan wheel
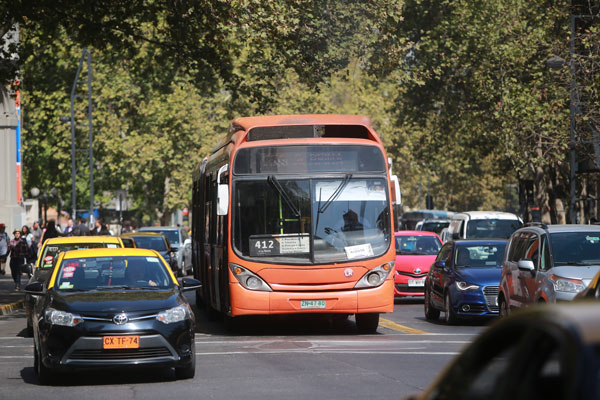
189	371
43	373
431	314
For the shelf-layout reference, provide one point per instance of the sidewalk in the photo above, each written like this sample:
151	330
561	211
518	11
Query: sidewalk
11	300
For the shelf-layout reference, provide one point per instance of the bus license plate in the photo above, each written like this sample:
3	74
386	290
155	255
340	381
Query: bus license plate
121	342
312	304
416	282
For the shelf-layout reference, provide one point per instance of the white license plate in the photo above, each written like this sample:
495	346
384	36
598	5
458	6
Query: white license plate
416	282
312	304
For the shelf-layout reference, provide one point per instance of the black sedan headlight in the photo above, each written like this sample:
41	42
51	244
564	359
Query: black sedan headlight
175	314
62	318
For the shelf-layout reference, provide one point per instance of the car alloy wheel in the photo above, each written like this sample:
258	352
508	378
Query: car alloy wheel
450	315
431	313
503	308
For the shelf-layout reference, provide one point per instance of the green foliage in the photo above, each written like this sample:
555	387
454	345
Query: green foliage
458	90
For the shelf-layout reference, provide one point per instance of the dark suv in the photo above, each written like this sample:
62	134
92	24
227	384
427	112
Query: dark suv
548	263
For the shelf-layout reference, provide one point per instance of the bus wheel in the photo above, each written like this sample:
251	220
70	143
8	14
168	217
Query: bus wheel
367	323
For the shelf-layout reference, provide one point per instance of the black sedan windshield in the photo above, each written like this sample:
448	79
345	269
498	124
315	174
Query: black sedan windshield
105	273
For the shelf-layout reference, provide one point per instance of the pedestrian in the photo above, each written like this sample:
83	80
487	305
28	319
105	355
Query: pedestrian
100	228
4	239
37	232
126	227
69	229
31	248
17	250
81	229
50	231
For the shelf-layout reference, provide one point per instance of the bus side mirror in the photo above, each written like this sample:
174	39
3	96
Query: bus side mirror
396	195
222	193
222	199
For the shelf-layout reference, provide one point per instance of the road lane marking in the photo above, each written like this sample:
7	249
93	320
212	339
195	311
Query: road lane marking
386	323
16	356
367	352
333	341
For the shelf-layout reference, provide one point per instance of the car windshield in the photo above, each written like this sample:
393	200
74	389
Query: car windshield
311	220
106	273
575	248
51	250
492	228
476	256
150	242
433	226
417	245
170	234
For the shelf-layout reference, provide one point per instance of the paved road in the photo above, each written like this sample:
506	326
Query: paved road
264	358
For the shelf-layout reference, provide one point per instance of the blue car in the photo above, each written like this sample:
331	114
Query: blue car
464	279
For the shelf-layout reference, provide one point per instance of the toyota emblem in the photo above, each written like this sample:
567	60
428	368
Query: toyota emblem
417	270
120	319
348	272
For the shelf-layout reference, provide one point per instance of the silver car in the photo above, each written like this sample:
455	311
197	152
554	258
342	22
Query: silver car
548	263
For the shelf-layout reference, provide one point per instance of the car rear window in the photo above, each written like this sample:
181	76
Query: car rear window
150	242
51	250
118	272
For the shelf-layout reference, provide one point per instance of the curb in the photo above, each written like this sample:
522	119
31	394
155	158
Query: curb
11	308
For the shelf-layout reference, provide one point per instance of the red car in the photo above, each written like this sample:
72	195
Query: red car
415	252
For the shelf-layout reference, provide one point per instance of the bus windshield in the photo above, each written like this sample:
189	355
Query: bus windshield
307	221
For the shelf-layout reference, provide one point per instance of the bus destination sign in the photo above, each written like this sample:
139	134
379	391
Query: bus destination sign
276	245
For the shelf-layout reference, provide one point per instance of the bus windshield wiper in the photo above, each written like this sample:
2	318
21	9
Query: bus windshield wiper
334	195
272	180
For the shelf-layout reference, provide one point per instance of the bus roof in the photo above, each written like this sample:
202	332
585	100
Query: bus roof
266	127
247	123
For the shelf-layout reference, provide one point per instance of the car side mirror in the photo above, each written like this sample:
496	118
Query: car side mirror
440	264
36	288
455	236
188	284
526	265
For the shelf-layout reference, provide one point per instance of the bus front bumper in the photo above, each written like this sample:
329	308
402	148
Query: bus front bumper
375	300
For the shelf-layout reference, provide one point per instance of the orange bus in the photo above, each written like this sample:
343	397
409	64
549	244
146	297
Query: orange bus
293	214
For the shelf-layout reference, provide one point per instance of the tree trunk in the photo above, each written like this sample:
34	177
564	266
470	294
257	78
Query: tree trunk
541	194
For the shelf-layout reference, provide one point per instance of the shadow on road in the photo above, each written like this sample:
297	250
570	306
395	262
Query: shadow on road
118	376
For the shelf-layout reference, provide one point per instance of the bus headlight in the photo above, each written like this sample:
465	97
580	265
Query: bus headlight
376	276
248	279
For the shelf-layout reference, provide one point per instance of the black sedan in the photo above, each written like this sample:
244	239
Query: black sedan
112	308
545	352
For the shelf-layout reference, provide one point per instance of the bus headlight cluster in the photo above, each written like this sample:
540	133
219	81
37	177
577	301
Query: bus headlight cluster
376	276
248	279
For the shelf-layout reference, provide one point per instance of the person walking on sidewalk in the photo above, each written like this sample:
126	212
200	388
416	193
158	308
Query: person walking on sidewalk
50	231
17	250
4	239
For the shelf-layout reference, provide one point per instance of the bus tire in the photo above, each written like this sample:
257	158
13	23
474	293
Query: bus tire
367	323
